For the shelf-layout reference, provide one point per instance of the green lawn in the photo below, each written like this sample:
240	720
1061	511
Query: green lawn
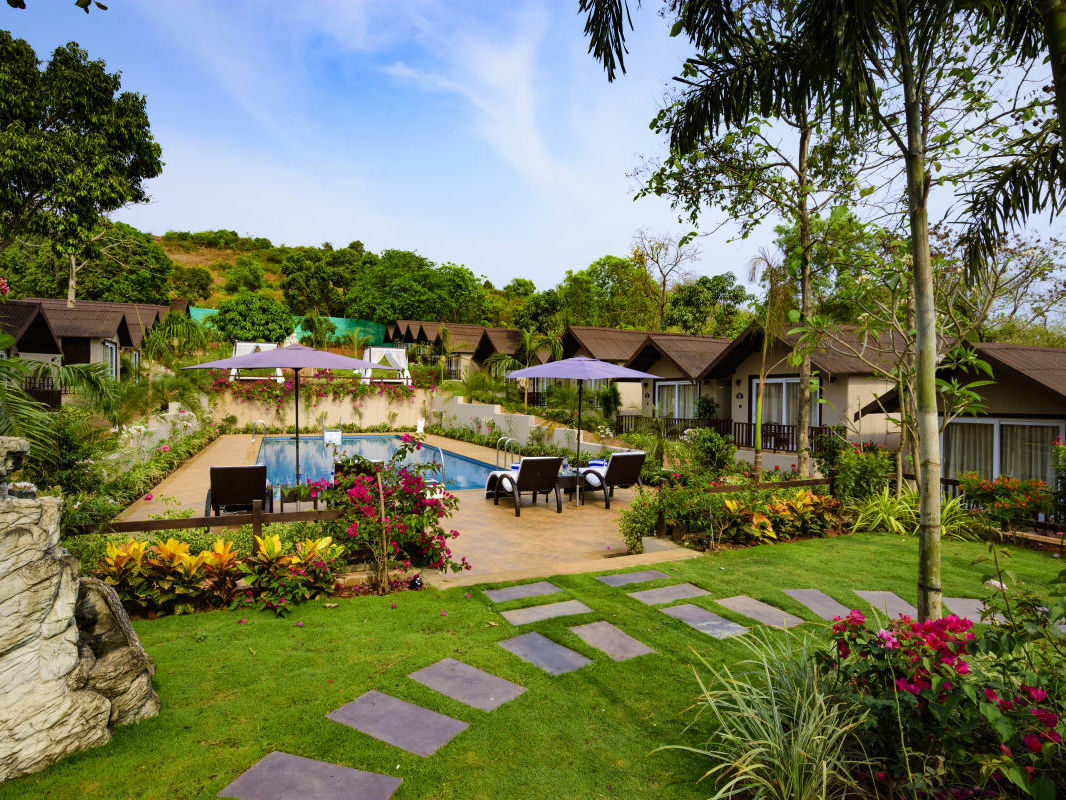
234	692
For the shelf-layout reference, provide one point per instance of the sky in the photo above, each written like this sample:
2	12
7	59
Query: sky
480	133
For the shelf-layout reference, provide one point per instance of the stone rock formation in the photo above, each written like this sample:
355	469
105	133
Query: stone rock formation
71	666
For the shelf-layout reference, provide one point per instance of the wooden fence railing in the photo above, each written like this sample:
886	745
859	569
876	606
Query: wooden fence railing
256	518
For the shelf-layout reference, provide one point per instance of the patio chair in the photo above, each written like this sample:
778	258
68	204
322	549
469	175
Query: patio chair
534	474
234	488
622	469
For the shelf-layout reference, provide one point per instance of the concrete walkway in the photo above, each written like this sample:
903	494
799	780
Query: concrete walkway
499	545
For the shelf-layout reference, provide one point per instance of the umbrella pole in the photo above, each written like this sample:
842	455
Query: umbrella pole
296	373
577	466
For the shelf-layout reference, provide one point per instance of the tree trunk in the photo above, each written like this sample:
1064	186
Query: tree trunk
1054	16
72	281
930	591
756	441
804	417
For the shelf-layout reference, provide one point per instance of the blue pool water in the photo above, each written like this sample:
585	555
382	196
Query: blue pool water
316	459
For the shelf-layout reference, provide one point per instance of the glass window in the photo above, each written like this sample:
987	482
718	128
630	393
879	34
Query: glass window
686	400
969	447
111	358
665	399
1025	451
780	402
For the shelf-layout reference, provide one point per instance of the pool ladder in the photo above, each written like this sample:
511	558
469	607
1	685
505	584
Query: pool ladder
443	480
505	445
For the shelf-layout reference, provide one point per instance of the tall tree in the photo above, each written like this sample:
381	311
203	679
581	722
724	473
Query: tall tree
916	70
666	260
75	148
710	305
611	292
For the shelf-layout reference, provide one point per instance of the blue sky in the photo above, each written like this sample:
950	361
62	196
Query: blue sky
475	132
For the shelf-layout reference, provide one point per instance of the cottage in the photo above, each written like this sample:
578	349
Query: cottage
843	372
34	337
615	345
678	360
457	343
1024	411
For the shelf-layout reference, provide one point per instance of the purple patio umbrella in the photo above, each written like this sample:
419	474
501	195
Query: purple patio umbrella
580	369
295	357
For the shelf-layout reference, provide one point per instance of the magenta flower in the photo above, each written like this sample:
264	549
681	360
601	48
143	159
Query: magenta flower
148	496
444	613
299	624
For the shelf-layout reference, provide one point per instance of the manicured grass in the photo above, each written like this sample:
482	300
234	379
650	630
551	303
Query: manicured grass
234	692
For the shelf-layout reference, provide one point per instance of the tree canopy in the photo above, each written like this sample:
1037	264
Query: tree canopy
75	146
250	317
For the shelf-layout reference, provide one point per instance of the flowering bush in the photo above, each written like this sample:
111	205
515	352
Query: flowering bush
861	471
323	384
942	722
1006	500
391	510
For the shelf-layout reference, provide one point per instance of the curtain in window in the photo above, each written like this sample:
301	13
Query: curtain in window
968	448
686	400
665	399
773	403
1025	451
792	394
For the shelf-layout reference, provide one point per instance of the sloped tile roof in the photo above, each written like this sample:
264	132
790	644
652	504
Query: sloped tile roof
606	344
691	354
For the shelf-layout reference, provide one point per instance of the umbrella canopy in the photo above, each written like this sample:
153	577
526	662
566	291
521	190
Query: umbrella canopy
580	369
295	357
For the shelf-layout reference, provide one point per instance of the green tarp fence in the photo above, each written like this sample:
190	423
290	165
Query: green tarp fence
344	325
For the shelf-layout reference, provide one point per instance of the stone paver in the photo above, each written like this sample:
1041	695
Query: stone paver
281	776
965	607
889	603
626	578
667	594
540	651
704	621
819	602
759	611
615	642
405	725
467	684
524	616
518	592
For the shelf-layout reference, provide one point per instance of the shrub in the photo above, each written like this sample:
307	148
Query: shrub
162	578
779	729
279	580
889	512
861	472
711	452
639	519
1006	500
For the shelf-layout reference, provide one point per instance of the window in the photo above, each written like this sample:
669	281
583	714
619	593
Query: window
780	402
992	447
676	399
111	358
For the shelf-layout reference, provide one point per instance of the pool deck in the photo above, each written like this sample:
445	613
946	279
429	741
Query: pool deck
499	545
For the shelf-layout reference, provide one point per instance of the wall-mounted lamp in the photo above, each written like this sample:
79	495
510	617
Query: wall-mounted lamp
738	381
740	395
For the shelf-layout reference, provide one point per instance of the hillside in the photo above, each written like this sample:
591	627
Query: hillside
217	261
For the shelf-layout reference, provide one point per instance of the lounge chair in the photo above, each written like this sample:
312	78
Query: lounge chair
234	488
622	469
534	474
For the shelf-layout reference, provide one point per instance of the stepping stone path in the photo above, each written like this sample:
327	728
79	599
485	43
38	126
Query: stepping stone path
704	621
467	684
280	776
626	578
542	652
759	611
518	592
819	602
667	594
615	642
524	616
889	603
405	725
966	608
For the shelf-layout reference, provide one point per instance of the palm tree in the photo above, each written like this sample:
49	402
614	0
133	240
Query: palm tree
443	348
359	342
174	336
772	322
530	346
22	416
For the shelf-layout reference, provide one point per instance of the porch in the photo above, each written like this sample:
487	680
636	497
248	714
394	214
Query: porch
776	437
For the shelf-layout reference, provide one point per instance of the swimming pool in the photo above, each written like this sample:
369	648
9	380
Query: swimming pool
316	459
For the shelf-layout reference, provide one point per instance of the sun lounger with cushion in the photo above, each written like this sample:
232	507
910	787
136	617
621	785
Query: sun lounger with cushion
622	469
535	474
